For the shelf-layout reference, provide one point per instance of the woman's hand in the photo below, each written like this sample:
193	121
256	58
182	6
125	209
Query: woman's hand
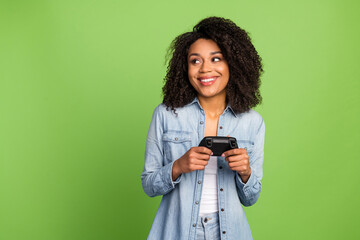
238	160
194	159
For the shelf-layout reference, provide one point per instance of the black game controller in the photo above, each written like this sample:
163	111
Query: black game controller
218	145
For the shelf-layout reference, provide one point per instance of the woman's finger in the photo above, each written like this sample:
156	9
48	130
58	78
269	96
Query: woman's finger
203	150
236	151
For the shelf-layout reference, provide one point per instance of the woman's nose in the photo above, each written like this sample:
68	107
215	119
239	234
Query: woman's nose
205	67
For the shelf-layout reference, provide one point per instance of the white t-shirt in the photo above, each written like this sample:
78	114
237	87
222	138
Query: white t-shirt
209	197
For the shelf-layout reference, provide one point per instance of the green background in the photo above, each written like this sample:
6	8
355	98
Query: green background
79	81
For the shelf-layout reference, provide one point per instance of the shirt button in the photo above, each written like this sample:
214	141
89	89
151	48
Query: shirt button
221	189
220	127
220	167
201	122
196	202
222	209
176	139
194	225
224	232
199	182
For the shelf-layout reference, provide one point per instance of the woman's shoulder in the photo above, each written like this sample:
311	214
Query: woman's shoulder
162	109
162	112
252	116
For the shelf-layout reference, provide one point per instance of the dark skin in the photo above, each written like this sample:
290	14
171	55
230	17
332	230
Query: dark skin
212	98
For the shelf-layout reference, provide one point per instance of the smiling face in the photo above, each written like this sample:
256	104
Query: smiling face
208	71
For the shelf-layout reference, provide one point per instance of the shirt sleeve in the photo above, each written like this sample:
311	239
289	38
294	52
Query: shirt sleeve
156	177
249	192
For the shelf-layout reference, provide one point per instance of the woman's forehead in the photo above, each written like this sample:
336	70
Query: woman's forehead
204	47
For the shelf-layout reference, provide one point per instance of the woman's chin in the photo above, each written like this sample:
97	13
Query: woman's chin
211	94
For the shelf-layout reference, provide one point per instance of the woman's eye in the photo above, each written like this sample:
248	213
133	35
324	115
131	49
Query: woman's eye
194	61
216	59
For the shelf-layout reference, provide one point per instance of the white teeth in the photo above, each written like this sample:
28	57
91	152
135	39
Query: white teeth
208	80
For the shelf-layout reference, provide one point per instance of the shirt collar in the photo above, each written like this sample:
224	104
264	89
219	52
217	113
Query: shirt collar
228	107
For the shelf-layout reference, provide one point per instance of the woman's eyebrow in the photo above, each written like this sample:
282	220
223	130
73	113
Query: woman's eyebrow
197	54
194	54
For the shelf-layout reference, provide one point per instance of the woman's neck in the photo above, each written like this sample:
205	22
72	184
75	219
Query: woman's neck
213	106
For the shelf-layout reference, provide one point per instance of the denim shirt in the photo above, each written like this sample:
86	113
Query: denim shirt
170	136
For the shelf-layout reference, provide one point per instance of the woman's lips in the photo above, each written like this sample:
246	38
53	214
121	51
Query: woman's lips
207	81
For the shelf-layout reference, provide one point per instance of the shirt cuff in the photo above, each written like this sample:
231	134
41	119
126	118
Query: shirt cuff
167	177
249	184
178	178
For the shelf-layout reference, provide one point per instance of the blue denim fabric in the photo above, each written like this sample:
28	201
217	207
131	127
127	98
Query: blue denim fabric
170	136
208	227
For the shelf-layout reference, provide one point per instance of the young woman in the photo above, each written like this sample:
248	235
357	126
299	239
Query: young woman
212	82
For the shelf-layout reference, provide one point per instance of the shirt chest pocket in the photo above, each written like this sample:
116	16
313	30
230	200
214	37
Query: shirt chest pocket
248	145
176	144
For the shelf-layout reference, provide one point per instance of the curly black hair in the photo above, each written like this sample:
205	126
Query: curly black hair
245	68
